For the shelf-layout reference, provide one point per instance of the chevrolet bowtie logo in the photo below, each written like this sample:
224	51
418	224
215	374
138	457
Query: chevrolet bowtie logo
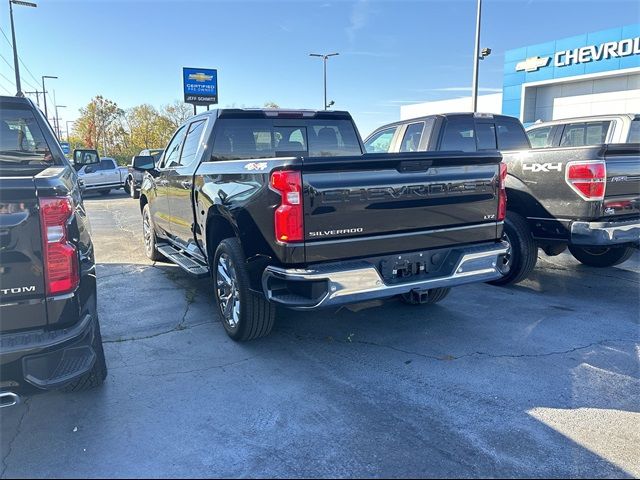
532	64
200	77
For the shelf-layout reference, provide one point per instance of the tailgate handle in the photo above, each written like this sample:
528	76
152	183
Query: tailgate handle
415	166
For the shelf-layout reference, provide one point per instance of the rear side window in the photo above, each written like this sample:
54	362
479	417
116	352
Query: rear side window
107	165
247	138
172	152
459	135
412	137
511	135
486	135
540	137
22	143
380	142
581	134
634	132
192	142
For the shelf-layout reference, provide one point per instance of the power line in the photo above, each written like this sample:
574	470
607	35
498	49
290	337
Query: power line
5	89
19	58
7	79
7	62
9	65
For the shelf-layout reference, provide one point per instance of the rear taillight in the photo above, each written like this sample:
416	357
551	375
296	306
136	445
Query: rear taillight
288	219
587	179
502	192
60	256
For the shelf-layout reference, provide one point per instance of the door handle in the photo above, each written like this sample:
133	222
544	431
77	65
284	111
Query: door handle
186	184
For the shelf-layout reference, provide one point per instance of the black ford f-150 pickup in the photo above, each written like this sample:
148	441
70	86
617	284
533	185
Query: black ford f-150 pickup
49	331
283	207
584	197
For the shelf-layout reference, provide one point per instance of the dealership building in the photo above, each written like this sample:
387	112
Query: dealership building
590	74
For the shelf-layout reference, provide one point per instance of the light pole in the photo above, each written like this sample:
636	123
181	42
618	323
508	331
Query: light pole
58	120
46	115
476	59
15	48
324	57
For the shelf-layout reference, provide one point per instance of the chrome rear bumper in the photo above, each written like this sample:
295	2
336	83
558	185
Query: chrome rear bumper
357	281
605	233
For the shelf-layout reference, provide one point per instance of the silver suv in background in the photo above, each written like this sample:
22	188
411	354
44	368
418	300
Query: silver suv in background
583	131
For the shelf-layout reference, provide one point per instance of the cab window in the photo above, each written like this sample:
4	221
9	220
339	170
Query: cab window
634	132
459	135
172	153
380	142
191	143
412	137
581	134
511	135
540	137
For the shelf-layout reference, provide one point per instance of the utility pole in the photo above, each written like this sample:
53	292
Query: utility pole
476	60
68	122
46	114
37	94
58	121
16	66
324	57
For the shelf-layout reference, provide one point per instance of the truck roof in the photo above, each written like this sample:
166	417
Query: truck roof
444	115
630	116
273	113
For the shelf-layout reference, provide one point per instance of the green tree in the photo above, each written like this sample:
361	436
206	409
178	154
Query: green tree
96	121
176	113
271	105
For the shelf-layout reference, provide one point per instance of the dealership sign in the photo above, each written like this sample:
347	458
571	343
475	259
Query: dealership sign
200	86
591	53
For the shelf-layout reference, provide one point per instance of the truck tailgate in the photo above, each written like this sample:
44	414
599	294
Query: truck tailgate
388	203
622	193
21	266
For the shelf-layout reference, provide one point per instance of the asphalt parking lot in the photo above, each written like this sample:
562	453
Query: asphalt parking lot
541	380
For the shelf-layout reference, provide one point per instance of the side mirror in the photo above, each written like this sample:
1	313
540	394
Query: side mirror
143	163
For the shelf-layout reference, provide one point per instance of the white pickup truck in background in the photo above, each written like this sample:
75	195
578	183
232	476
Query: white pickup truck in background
97	174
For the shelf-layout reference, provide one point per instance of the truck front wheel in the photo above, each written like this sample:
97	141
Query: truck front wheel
522	255
601	256
245	315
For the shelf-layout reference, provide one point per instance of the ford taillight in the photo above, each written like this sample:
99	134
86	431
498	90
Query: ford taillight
587	179
502	192
288	218
61	269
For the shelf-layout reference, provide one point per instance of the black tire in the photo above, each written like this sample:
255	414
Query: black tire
126	187
250	315
135	193
523	251
432	296
149	235
601	256
105	192
96	376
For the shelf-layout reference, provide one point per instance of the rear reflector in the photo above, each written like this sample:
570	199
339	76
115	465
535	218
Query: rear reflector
502	192
288	218
587	179
60	257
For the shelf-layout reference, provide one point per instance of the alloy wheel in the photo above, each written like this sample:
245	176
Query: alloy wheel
227	290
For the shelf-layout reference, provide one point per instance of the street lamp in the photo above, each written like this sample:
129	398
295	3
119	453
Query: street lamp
58	120
325	57
476	58
15	48
44	94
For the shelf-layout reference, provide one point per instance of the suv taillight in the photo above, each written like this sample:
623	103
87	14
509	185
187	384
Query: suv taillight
288	218
502	192
60	257
587	179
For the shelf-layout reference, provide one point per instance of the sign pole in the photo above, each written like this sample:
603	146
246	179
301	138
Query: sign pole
476	58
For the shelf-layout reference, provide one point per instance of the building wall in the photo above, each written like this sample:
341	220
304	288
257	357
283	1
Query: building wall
486	103
598	96
515	82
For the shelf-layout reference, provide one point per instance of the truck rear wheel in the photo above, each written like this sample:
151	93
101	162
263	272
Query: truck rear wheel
96	376
150	239
601	256
522	255
428	297
245	315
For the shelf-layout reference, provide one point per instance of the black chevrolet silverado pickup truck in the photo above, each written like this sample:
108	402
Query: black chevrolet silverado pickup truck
49	331
583	197
284	208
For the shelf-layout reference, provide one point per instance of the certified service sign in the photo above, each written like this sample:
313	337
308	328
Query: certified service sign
200	85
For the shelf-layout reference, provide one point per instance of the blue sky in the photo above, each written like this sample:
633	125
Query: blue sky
391	52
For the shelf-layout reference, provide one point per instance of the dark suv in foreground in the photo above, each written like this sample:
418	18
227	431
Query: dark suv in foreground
49	331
